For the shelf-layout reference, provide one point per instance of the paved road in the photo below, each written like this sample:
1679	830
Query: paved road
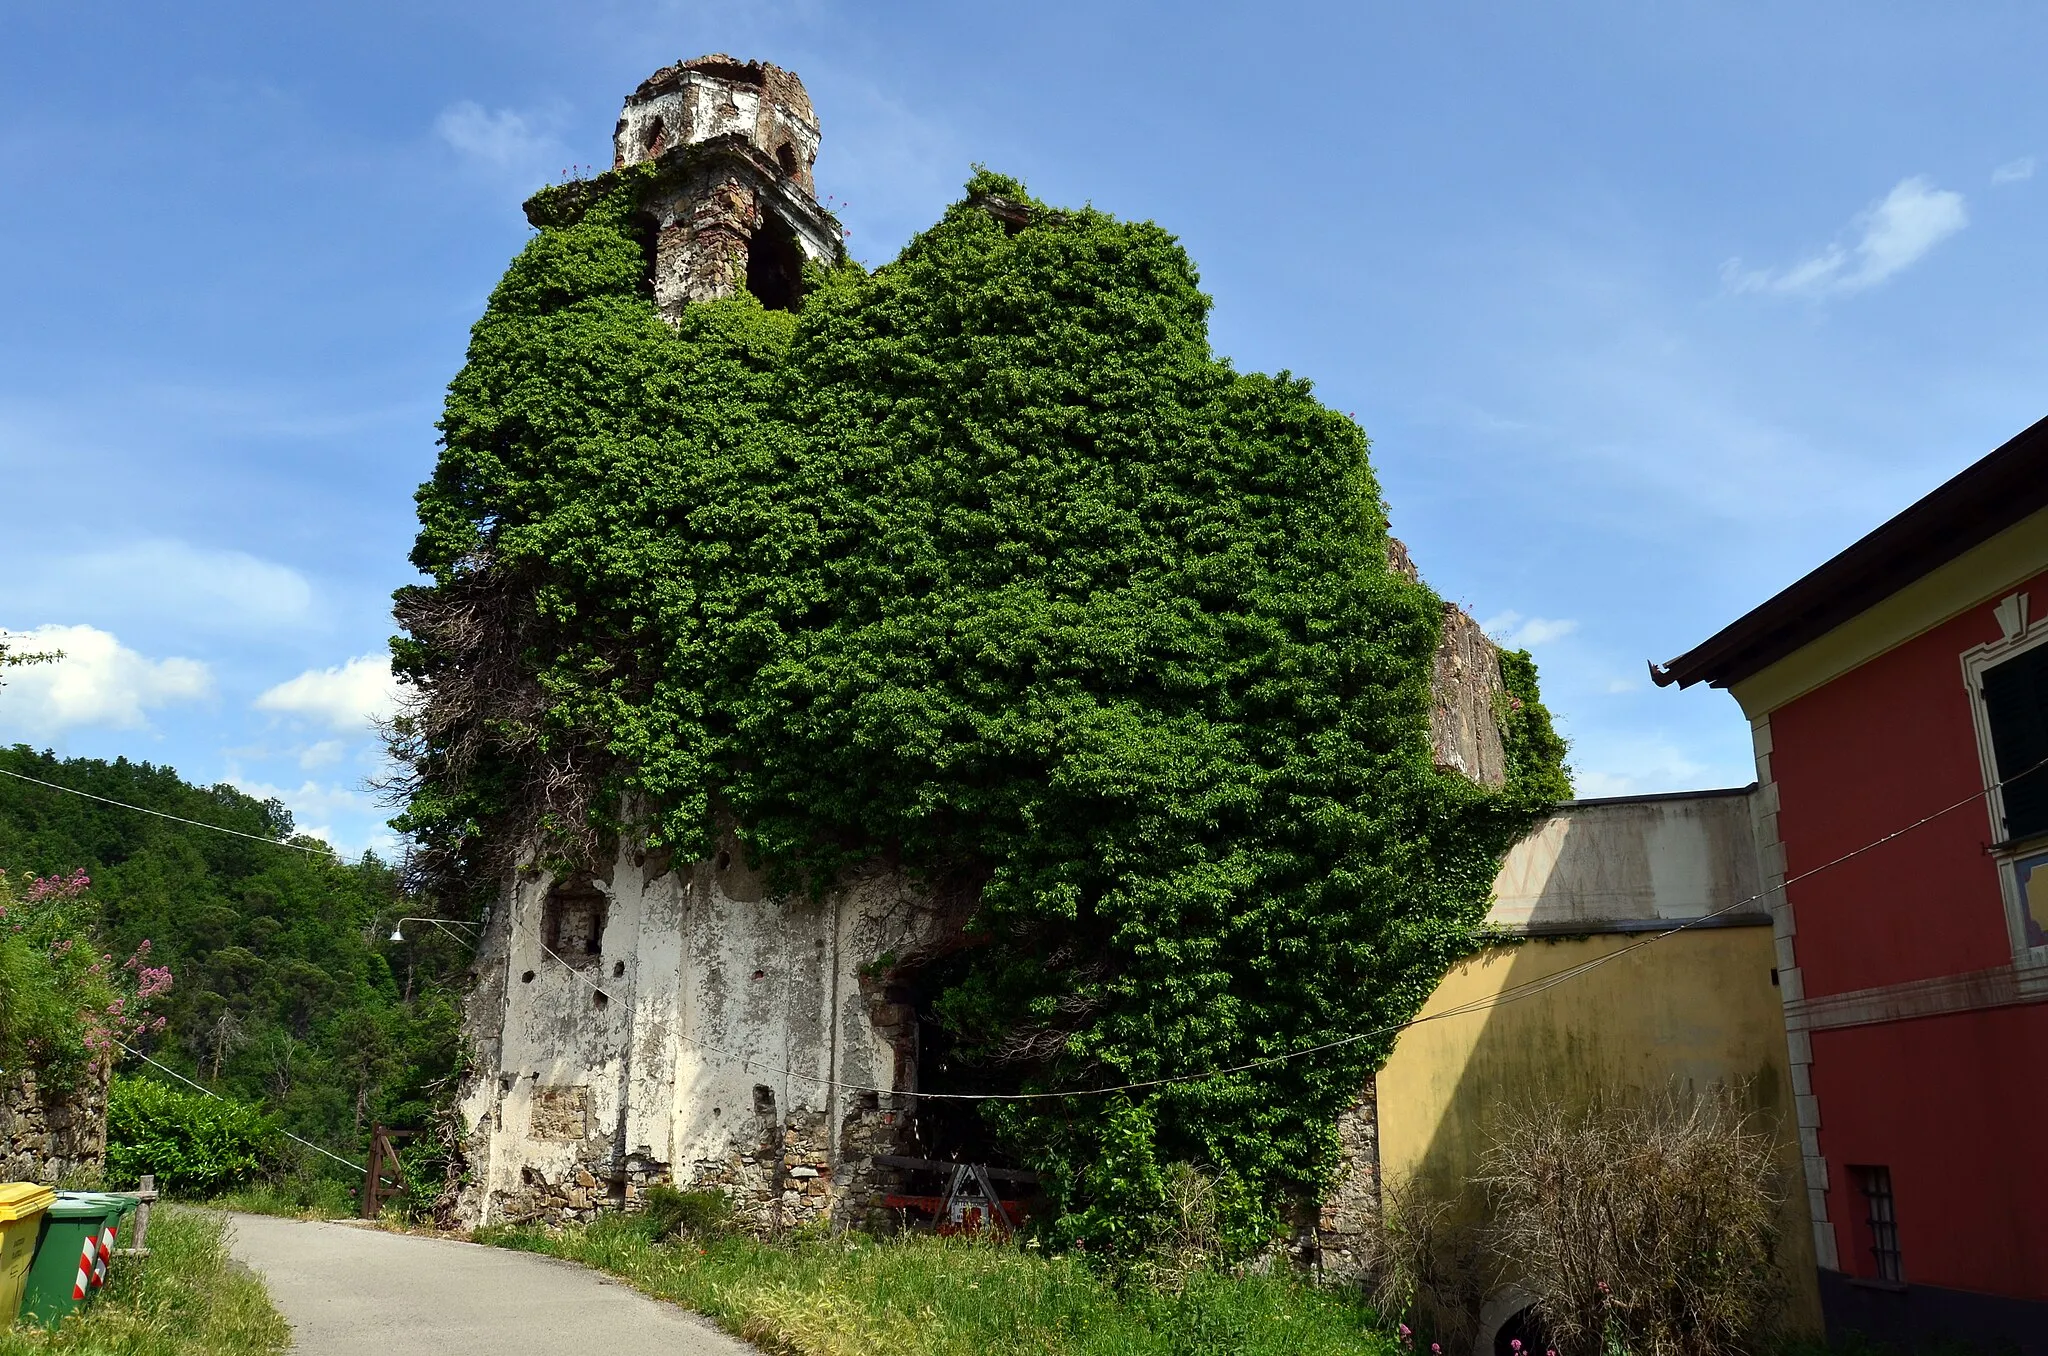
349	1291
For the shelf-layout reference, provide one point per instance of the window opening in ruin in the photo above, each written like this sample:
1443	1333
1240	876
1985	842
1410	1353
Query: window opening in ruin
775	264
946	1129
573	920
654	139
785	156
646	229
764	1100
740	73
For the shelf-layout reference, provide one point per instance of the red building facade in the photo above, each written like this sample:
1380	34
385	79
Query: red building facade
1898	699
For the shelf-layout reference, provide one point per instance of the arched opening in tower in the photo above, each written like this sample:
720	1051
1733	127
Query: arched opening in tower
775	264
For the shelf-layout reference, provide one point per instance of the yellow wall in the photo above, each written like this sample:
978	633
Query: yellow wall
1698	1008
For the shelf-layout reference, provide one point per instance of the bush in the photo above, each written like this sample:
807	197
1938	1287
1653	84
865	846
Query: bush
699	1214
1654	1226
197	1146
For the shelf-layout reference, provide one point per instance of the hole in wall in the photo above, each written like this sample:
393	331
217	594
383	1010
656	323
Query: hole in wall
717	1111
599	998
526	978
724	860
785	156
775	264
764	1100
653	139
760	974
573	919
618	969
1522	1333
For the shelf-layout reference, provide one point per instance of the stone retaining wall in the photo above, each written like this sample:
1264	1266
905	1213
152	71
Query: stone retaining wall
48	1136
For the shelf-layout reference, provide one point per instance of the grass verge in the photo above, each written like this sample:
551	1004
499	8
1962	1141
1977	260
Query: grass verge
187	1298
922	1296
318	1198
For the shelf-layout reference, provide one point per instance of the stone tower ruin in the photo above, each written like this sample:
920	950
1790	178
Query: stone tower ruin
662	1020
735	207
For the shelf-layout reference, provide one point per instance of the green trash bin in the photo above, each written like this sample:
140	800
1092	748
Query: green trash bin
60	1279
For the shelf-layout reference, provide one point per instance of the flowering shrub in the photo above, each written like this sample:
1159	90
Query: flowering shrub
66	1007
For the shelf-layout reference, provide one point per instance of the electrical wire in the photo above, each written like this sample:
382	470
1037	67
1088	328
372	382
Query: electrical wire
323	850
345	1162
1491	1001
1485	1004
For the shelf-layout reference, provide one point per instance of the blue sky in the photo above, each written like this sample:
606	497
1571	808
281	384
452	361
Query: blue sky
1648	309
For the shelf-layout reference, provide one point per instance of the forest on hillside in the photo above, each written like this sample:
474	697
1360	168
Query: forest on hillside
287	990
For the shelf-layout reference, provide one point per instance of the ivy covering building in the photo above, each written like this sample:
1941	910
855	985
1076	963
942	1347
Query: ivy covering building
854	693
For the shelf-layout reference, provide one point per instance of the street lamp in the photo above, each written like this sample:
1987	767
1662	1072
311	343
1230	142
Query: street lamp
398	928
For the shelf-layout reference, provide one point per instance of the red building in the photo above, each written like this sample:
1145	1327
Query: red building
1898	697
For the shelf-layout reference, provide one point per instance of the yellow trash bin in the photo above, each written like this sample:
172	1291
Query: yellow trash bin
21	1214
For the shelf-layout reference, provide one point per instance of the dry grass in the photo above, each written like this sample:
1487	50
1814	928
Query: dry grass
188	1298
1655	1224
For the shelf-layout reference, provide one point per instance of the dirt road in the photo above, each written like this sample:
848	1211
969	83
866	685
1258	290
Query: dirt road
350	1291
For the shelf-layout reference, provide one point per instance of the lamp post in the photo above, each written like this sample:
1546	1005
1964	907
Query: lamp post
398	928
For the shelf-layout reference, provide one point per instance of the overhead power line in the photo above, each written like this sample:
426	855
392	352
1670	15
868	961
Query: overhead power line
1509	995
201	1087
323	850
1501	999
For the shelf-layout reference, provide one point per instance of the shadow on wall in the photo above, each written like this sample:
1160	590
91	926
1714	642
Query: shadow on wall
1687	1013
1632	861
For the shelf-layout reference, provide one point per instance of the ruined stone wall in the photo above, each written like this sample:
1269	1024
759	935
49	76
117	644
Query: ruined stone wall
1351	1208
49	1137
712	97
1466	691
684	1024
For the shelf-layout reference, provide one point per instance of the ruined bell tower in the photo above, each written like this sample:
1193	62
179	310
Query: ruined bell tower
734	207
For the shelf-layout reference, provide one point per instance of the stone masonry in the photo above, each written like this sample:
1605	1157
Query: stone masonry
676	1022
49	1137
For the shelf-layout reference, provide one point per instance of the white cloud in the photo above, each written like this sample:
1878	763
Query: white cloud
1633	765
168	580
2013	171
1517	632
318	806
321	754
502	139
1892	235
99	681
347	697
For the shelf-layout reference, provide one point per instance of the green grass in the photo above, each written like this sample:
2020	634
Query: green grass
311	1198
922	1296
187	1298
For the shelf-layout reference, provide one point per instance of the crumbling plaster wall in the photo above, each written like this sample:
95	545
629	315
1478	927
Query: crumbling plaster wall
716	96
728	1014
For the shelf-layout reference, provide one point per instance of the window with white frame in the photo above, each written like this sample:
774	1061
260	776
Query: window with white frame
2007	681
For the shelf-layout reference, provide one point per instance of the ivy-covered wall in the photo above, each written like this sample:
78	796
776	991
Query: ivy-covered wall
984	566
